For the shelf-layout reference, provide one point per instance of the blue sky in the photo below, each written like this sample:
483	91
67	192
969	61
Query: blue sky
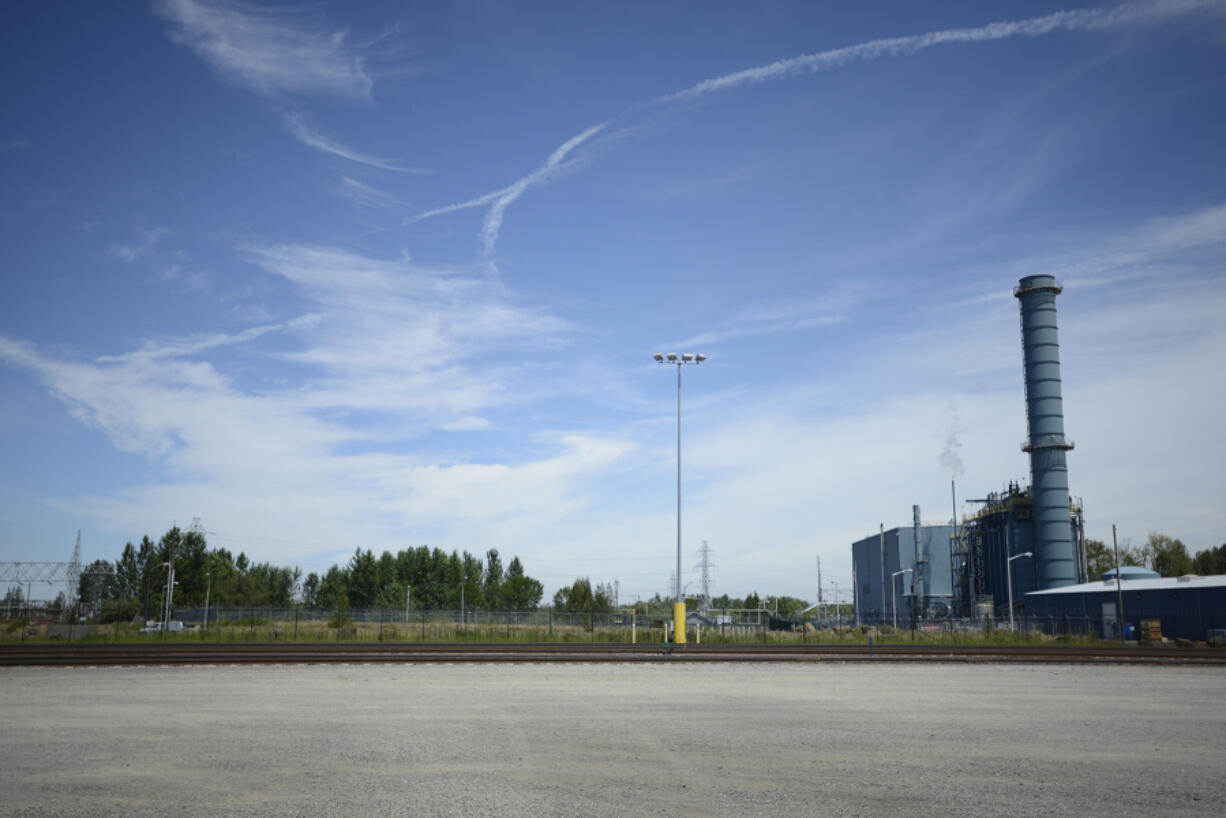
387	274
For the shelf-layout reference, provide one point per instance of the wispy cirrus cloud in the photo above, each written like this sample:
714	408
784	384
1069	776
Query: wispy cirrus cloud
143	246
365	195
1074	20
314	139
1131	253
397	336
166	264
272	51
389	351
768	319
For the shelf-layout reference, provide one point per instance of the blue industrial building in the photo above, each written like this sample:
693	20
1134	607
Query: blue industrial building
879	557
1005	527
1188	607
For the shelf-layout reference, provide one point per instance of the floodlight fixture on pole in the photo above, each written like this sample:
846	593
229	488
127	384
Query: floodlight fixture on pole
894	594
679	601
1009	578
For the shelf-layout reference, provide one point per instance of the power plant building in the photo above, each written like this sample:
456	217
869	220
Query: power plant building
878	558
1035	534
1005	527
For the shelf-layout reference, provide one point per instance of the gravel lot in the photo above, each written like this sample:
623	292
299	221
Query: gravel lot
812	739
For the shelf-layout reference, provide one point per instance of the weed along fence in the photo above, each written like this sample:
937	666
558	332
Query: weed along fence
302	624
448	625
250	623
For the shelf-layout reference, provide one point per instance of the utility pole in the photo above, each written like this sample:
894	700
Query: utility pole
819	579
170	584
881	562
207	590
1119	593
705	566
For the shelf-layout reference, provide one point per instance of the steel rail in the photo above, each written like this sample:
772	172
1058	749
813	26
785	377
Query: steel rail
184	653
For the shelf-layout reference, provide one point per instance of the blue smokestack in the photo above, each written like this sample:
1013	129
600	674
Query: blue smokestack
1055	554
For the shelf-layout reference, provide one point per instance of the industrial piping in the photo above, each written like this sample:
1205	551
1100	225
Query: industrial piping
1055	552
919	606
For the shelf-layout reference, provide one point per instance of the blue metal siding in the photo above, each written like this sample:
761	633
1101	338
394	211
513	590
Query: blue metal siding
1186	613
874	599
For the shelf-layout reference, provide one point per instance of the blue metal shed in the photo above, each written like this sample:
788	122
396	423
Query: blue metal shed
1188	607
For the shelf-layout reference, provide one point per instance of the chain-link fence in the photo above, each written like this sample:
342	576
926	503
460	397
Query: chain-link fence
254	623
399	623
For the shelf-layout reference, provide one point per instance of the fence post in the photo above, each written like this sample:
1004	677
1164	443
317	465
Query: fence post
380	624
551	623
295	624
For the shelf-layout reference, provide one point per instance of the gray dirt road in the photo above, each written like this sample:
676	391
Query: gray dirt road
820	739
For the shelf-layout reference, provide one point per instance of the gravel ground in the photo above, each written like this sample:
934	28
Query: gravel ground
811	739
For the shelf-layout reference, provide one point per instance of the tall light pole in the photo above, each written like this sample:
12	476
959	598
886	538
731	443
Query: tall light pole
894	593
838	612
679	602
1009	578
166	597
207	589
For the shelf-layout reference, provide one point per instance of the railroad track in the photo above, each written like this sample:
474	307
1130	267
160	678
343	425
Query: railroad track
229	653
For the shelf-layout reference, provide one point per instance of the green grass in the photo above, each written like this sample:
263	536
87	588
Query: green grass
256	629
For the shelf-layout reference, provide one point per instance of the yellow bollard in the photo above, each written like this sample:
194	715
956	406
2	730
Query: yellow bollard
679	622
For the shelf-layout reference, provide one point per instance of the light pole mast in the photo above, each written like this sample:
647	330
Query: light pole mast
679	600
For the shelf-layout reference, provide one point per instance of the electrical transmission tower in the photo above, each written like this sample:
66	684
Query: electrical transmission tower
72	582
705	565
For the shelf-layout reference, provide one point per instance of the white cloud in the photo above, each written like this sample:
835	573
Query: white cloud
143	247
364	195
271	50
314	139
794	316
393	351
772	478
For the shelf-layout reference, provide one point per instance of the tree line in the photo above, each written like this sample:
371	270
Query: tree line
424	578
134	586
1169	557
583	596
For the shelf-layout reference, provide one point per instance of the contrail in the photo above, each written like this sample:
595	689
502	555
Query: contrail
1074	20
501	199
